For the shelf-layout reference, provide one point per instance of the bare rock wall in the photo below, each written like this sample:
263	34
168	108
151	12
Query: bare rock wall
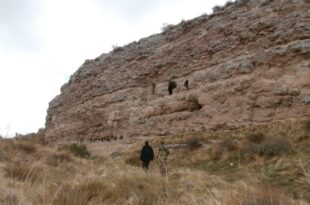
248	63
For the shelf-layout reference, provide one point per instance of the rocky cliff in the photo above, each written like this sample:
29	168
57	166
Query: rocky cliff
248	62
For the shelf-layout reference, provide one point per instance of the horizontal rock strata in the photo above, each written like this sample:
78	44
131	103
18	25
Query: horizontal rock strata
247	63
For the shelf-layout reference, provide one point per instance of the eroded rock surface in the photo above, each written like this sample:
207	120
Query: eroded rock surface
248	63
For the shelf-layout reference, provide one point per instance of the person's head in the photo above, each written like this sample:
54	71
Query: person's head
146	142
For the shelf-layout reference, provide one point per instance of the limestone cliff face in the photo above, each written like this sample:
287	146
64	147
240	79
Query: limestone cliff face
247	63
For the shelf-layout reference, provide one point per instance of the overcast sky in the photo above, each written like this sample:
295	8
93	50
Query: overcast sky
42	42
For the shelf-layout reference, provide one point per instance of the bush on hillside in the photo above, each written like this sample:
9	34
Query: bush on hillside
243	1
275	147
228	144
229	3
221	150
217	9
251	150
256	137
57	158
268	148
193	143
116	48
216	151
166	27
77	150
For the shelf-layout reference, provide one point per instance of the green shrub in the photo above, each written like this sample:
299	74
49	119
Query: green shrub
77	150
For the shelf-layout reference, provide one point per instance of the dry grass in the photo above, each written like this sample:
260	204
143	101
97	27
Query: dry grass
268	148
56	158
45	175
79	150
24	172
25	146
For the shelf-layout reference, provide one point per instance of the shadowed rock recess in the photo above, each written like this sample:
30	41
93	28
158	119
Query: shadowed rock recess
246	63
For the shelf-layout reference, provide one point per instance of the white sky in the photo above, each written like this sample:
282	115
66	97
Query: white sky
42	42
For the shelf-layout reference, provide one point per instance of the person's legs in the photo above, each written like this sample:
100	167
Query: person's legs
163	166
145	165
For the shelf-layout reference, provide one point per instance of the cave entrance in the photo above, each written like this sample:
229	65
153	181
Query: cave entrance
195	105
153	88
172	85
186	85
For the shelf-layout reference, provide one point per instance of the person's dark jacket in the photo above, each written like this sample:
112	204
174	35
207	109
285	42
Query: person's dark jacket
147	153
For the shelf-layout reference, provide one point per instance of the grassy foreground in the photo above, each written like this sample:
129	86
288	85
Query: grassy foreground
255	165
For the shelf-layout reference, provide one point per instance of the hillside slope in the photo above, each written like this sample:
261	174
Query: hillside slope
245	64
199	173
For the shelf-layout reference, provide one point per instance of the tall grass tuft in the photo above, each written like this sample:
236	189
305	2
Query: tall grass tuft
24	172
27	147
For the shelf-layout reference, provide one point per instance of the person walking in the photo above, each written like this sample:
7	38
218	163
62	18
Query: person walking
162	155
147	155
